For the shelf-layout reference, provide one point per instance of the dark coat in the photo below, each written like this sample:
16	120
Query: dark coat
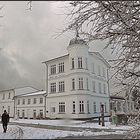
5	118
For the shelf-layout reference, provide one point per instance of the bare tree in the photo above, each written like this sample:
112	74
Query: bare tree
119	23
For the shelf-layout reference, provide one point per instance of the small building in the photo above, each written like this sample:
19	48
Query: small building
77	83
7	98
31	105
122	105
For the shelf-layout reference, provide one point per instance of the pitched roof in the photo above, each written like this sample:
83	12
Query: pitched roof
33	93
25	90
56	58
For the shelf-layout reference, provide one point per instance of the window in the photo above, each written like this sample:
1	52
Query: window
62	107
100	91
53	69
80	83
73	84
94	107
23	101
34	102
93	68
86	64
81	106
18	101
41	113
87	83
29	101
9	95
93	86
72	63
41	101
23	113
61	86
8	109
99	71
34	114
73	106
79	62
88	107
104	88
53	87
3	96
61	67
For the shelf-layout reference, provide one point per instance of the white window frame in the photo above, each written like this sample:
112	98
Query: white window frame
23	101
34	100
61	67
80	66
81	106
73	84
73	107
29	101
81	83
41	100
61	86
94	107
72	63
52	87
61	107
53	69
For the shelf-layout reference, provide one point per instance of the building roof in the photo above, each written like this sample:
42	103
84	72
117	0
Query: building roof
96	53
25	90
34	93
56	58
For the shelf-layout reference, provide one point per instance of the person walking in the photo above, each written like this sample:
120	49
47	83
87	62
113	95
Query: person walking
5	120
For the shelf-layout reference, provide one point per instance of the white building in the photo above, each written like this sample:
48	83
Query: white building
77	83
7	102
7	98
122	105
31	105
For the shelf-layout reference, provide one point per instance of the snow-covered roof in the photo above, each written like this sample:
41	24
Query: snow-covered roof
35	93
25	90
56	58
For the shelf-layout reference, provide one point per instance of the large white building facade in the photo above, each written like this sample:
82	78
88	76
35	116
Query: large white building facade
77	83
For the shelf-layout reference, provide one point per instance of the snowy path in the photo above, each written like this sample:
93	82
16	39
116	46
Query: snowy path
13	132
23	132
57	129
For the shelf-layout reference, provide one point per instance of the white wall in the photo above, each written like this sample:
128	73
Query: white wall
7	103
29	107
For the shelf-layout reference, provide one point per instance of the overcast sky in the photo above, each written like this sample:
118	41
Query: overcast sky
27	39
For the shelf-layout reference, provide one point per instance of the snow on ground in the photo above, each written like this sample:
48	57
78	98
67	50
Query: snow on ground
20	132
37	133
74	123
